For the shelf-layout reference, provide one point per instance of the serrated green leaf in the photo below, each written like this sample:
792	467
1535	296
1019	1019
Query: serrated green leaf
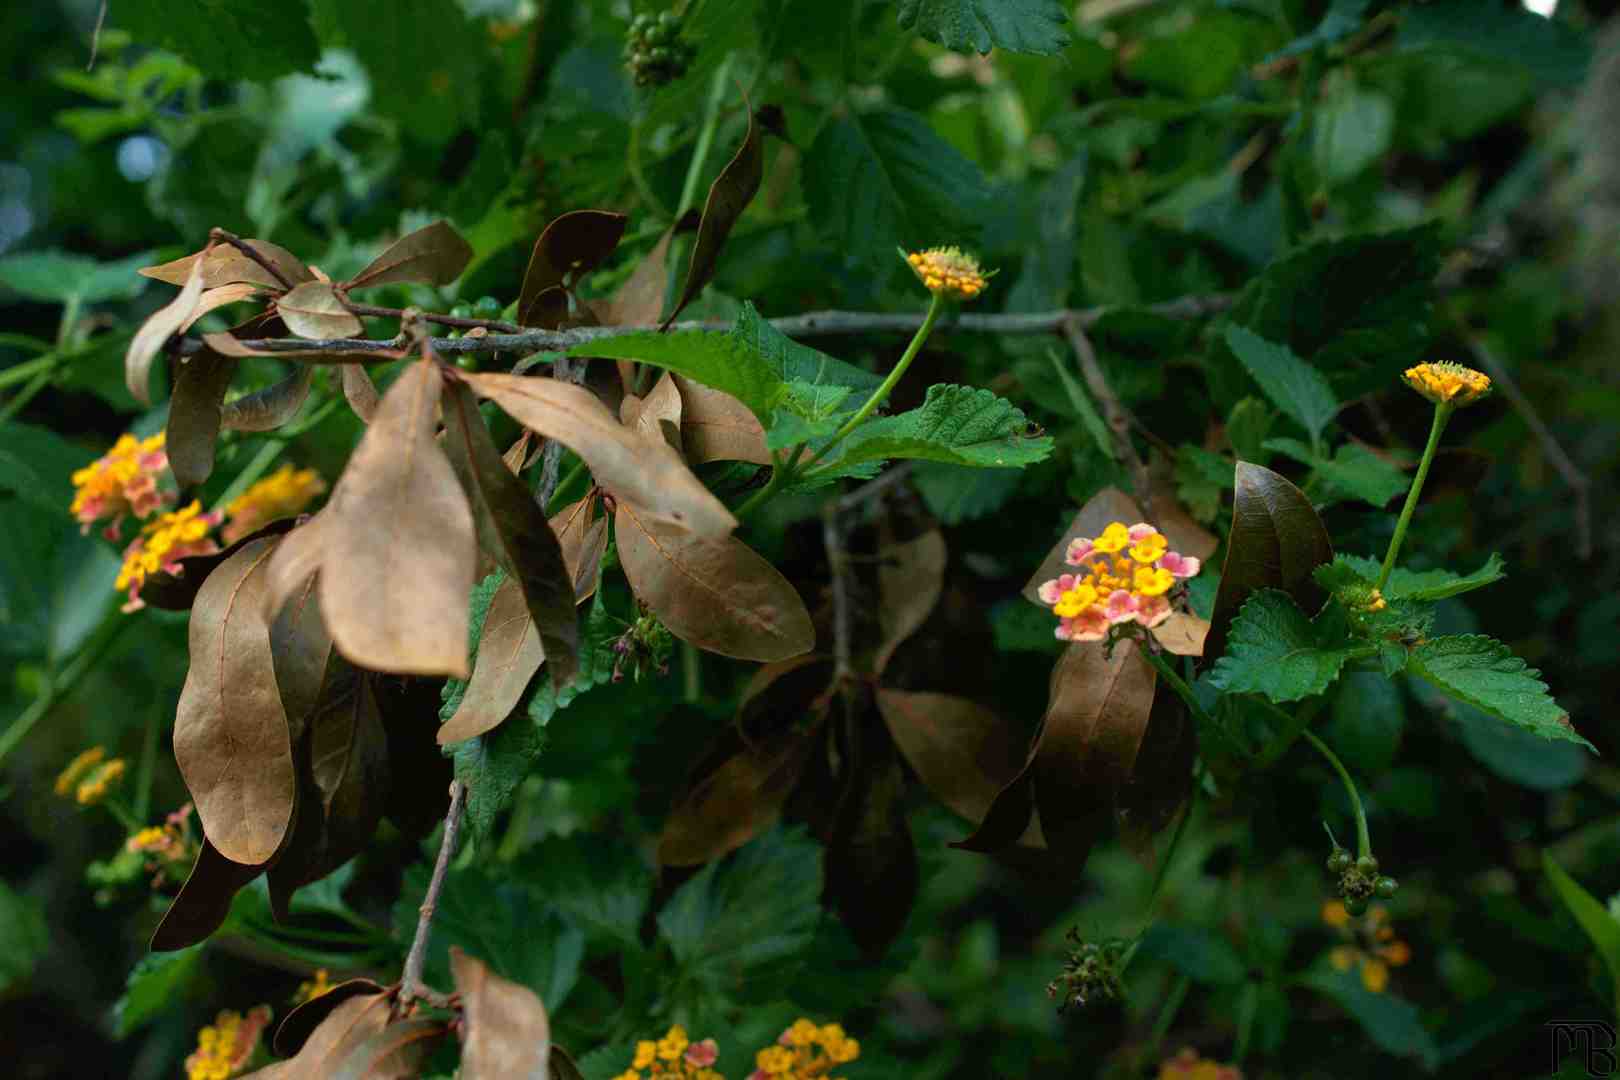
229	39
493	765
1353	472
1273	649
153	987
1295	387
959	425
1029	26
1484	672
602	887
1600	926
597	633
1425	585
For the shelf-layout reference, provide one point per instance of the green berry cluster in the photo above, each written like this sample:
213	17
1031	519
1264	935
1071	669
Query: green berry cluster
1359	880
1090	973
655	51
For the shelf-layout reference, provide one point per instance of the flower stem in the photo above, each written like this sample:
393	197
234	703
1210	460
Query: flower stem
935	309
1363	838
58	686
779	477
1442	413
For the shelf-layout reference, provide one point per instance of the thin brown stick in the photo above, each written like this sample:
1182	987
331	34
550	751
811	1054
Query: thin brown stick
1118	417
494	326
411	984
247	249
838	561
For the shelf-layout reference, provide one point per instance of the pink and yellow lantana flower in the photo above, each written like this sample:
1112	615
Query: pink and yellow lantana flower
1125	577
161	545
227	1046
123	481
283	493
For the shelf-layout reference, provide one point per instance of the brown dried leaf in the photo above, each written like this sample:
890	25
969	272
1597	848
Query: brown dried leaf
300	649
729	196
218	298
521	539
508	1035
517	455
400	541
640	300
299	1024
295	562
155	332
177	592
351	1024
433	255
313	310
961	751
269	408
1162	778
200	383
359	391
574	242
203	901
871	861
1182	634
223	264
911	576
1109	504
583	537
509	653
659	417
400	1051
230	731
716	593
651	475
717	427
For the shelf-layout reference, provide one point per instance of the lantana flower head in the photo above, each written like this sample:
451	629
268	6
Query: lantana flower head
121	482
805	1050
1188	1065
948	270
161	545
1124	576
1444	382
674	1057
283	493
227	1045
1370	944
89	777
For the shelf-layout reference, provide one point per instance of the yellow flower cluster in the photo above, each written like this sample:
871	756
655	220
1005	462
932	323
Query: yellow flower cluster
1370	944
283	493
161	545
90	777
804	1051
948	270
169	845
228	1044
123	481
1447	382
1126	573
674	1057
313	988
1188	1065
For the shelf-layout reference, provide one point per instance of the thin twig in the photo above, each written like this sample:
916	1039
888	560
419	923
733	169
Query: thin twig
95	36
1580	485
838	560
811	324
411	985
247	249
494	326
1118	417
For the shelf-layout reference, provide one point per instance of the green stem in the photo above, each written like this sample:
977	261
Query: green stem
1248	1006
1442	413
779	472
705	139
1363	838
39	382
565	488
1177	683
1163	871
935	309
17	373
256	468
691	674
56	687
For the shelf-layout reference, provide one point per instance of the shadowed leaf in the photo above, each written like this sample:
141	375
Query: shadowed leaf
640	300
961	751
433	255
313	310
563	1067
359	391
582	533
400	541
575	242
717	427
300	648
871	861
223	264
156	331
200	383
204	900
1162	778
299	1024
354	1020
651	475
230	731
911	575
718	594
516	527
400	1051
508	1035
420	774
509	653
660	414
295	561
268	409
729	196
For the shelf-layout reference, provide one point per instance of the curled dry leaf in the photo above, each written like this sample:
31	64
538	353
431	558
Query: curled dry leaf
200	383
217	298
314	310
350	1024
400	1051
230	732
659	417
519	536
729	196
359	391
716	593
640	299
961	751
433	255
1182	634
156	331
575	242
583	537
269	408
223	264
400	542
204	900
299	1024
717	427
651	475
517	455
911	576
509	653
508	1035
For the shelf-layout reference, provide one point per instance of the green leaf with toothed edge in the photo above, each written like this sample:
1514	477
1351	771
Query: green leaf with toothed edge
959	425
1028	26
1484	672
1273	649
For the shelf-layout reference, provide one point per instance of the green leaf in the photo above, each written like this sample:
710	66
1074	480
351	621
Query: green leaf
1517	756
1030	26
1353	472
882	179
749	918
1593	917
1366	721
603	887
1196	952
1295	387
228	39
59	277
1426	585
1485	673
1273	649
36	464
22	922
959	425
958	493
597	633
1247	426
1393	1023
1555	53
492	766
1353	131
1343	18
154	987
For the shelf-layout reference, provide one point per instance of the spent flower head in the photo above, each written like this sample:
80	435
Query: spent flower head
1444	382
1370	944
948	270
161	545
123	481
1125	577
283	493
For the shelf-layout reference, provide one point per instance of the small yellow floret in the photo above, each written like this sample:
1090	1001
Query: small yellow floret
1114	538
1153	580
1446	382
78	768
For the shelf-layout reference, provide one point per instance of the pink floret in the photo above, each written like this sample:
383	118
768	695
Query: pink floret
1079	549
1182	566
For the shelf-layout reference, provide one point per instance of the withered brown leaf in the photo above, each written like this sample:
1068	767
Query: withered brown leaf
583	536
223	264
156	331
400	546
574	242
295	562
715	592
509	653
729	196
508	1034
313	310
640	299
961	751
433	255
348	1026
203	901
649	474
717	427
660	414
297	1026
400	1051
231	738
911	576
269	408
217	298
359	391
200	382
